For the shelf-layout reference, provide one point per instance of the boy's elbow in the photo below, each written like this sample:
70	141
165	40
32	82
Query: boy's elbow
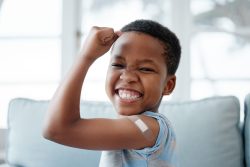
51	133
48	133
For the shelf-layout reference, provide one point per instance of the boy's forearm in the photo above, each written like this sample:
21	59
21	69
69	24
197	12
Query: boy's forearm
64	107
69	92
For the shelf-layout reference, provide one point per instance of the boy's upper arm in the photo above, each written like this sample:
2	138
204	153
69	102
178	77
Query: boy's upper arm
111	134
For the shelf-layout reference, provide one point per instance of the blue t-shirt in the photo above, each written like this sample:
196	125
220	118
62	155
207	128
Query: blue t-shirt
162	154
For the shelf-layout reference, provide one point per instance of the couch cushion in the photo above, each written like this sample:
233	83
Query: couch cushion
27	147
247	129
208	133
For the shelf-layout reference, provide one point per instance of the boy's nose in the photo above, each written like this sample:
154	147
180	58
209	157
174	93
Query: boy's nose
129	76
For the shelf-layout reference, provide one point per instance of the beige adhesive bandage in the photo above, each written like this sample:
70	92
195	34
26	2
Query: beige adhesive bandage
140	124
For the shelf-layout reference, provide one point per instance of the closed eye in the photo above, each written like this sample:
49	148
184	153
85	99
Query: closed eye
146	69
117	65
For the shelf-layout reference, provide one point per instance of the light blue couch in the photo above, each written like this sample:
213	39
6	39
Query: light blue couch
209	134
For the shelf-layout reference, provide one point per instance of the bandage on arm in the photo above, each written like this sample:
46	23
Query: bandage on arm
142	126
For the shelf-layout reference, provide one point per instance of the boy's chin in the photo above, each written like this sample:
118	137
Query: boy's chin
128	111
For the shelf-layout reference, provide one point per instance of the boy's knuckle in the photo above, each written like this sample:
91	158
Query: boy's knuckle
94	27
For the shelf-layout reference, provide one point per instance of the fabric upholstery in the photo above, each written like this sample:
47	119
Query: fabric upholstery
247	129
207	132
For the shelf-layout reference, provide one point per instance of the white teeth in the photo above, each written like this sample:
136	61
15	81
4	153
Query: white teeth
128	95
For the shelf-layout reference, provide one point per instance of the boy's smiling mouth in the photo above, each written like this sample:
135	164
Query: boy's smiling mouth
128	94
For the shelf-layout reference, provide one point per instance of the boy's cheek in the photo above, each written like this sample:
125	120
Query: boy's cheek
109	84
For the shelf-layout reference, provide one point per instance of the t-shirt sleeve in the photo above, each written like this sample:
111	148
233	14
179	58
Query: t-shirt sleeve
162	137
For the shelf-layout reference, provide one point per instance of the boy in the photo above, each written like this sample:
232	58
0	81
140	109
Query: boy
144	59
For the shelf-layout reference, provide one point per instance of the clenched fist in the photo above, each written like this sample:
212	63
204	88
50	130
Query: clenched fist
98	42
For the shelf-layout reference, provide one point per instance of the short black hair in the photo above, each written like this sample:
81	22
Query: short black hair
168	38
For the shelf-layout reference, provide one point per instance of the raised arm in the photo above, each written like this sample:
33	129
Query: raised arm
63	123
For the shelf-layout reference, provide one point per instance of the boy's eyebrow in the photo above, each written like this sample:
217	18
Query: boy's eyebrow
119	57
147	61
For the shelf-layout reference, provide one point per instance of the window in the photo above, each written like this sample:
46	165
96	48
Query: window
29	50
220	47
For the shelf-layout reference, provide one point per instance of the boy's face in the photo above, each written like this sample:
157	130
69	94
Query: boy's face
137	75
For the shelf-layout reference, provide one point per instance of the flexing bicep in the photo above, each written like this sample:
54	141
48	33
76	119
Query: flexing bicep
110	134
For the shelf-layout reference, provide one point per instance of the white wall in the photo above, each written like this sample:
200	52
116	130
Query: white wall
2	131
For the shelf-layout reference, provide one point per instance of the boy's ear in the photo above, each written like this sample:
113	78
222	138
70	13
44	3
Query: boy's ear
170	85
